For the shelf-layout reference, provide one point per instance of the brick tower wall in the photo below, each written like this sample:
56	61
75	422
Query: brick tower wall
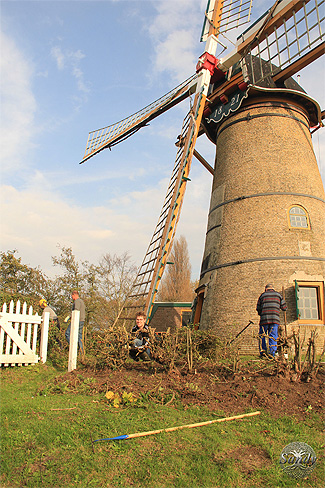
265	163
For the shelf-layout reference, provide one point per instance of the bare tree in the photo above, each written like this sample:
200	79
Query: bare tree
117	274
176	285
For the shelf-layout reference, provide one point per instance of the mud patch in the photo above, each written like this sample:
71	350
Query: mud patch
246	459
232	394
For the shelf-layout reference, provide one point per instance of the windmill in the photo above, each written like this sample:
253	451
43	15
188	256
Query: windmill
256	73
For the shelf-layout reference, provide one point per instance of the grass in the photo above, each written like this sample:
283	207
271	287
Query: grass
46	440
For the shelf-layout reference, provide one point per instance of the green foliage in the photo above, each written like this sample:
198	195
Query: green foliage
6	297
19	281
104	287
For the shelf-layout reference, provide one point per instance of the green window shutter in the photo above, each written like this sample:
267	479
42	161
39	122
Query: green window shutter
297	298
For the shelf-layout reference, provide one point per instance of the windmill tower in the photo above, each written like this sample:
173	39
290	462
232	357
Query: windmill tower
266	217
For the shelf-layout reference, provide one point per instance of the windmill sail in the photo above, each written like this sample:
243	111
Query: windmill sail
225	15
284	40
150	273
287	42
145	287
113	134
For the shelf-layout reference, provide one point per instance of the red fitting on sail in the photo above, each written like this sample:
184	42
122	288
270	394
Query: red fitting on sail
210	62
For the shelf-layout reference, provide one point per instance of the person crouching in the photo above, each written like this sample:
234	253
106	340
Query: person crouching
140	345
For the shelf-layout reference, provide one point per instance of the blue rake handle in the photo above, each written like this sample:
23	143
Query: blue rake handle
118	438
170	429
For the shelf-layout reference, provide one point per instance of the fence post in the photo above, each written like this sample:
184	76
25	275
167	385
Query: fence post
73	348
44	337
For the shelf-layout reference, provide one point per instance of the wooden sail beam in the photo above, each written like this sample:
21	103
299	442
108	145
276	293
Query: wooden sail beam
175	208
203	161
214	23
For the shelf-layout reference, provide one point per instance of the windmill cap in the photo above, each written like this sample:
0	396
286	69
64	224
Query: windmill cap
43	302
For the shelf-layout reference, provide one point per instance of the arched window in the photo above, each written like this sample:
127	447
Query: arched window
298	217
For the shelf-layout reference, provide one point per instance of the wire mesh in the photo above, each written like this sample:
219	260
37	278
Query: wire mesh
234	14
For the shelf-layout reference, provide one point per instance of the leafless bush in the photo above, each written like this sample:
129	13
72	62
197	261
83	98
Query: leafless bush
305	366
108	348
189	349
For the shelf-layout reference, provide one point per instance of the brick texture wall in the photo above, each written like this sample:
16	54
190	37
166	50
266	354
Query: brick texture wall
168	317
264	165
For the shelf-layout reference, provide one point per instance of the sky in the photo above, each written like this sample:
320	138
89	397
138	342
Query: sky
70	67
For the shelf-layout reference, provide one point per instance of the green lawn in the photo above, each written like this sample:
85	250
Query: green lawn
46	441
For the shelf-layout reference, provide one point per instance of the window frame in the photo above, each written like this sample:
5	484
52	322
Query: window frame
185	311
319	285
200	294
306	214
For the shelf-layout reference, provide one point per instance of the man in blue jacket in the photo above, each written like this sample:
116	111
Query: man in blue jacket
268	308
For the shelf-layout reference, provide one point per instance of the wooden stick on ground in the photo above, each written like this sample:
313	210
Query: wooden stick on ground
71	408
170	429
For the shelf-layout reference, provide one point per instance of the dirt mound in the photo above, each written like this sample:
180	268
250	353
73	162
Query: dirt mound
218	390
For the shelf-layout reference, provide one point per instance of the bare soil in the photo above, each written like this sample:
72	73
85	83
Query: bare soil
259	387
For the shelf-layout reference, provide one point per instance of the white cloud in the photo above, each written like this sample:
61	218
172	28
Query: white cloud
177	46
35	220
173	35
18	105
71	60
58	55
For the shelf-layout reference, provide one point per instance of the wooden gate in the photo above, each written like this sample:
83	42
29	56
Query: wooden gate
18	335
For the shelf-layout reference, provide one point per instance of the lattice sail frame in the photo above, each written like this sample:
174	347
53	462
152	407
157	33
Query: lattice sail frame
145	287
288	41
280	38
113	134
224	16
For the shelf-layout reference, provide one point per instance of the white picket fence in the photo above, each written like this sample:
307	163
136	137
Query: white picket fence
18	335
